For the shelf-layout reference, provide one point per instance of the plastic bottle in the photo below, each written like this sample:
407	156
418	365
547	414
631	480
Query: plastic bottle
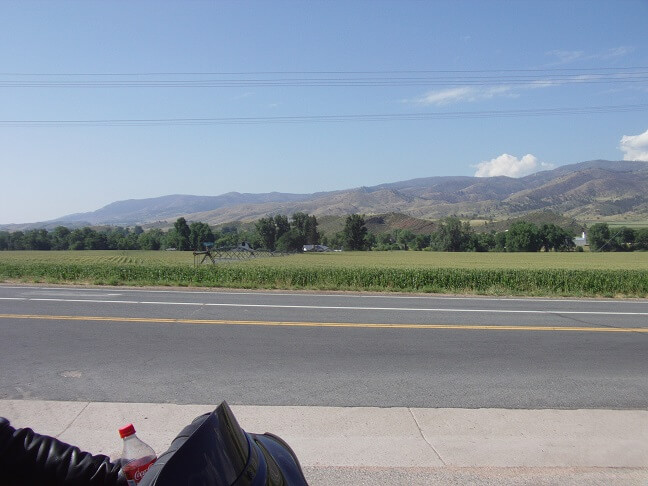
137	456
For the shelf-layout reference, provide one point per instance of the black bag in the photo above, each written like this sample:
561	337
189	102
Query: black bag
215	451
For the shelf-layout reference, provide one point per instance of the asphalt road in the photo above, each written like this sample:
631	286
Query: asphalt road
272	348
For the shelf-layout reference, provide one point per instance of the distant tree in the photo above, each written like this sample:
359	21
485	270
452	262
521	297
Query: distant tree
290	241
523	236
133	240
599	237
228	236
298	223
199	233
641	239
385	242
228	230
117	238
169	239
371	240
334	241
311	233
76	240
624	238
306	228
182	233
94	240
421	242
355	233
404	239
60	237
453	235
37	239
267	230
555	238
500	241
151	240
4	240
17	241
282	225
485	241
87	239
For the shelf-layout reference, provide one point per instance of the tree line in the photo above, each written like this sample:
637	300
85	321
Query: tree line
603	238
454	235
280	233
183	236
276	233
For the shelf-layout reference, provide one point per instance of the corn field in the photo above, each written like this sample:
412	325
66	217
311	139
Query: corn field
398	271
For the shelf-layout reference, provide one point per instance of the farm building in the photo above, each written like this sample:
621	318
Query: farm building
581	240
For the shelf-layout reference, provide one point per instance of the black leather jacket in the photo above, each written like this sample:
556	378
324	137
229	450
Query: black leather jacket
27	458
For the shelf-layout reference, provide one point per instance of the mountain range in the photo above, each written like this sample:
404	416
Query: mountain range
586	191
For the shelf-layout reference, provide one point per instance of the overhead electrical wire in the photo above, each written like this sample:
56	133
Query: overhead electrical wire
327	118
526	78
393	71
530	77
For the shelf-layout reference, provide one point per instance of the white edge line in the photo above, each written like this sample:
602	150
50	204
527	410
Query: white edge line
351	296
174	303
94	301
346	308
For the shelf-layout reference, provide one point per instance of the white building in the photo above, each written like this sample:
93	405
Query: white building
581	241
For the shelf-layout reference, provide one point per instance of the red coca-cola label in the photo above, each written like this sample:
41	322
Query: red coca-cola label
136	469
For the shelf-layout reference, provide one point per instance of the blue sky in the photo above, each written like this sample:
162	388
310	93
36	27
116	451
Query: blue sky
414	89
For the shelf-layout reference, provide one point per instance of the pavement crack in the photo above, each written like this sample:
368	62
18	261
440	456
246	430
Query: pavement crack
73	420
425	438
575	319
587	323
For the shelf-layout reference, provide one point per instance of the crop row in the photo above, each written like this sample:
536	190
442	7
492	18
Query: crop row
586	282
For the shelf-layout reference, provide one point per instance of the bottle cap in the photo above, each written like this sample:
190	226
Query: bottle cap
126	431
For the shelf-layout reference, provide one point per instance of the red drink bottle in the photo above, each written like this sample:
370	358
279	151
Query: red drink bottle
137	456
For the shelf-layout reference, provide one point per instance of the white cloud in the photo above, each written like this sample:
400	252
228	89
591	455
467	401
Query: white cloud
565	57
478	93
244	95
576	79
464	93
511	166
635	147
544	79
614	52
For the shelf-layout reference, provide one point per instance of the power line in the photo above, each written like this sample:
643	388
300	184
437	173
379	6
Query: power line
530	78
244	73
326	83
303	119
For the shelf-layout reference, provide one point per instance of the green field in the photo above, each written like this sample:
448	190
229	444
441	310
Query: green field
565	274
116	257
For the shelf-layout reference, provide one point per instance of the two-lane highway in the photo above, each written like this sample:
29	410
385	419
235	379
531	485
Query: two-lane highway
116	344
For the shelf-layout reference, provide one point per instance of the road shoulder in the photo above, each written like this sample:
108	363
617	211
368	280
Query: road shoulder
427	446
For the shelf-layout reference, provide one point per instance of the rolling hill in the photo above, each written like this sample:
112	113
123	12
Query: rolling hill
586	191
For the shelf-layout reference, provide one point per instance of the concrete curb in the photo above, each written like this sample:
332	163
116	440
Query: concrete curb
378	439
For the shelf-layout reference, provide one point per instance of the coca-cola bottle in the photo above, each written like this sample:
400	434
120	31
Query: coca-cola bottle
137	456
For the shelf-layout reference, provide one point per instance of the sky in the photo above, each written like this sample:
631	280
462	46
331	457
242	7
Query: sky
103	101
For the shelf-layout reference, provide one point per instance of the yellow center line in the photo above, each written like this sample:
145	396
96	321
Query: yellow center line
326	324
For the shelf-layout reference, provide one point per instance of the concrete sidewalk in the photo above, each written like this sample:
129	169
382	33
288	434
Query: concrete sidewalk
387	445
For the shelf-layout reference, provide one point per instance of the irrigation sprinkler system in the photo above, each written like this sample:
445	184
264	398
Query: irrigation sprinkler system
232	253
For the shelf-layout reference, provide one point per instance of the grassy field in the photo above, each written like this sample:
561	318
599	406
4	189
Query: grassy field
116	257
465	260
628	223
568	274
